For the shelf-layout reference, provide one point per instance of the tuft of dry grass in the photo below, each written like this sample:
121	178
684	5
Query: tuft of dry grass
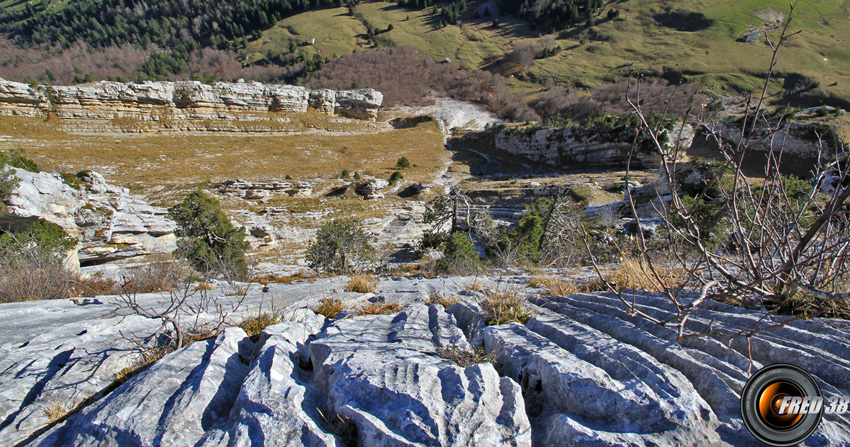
438	298
55	410
465	358
476	287
563	287
255	324
203	286
238	291
146	358
162	273
330	307
379	308
633	274
505	306
93	286
362	284
556	285
343	427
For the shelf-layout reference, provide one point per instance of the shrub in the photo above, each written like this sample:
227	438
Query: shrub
16	159
339	244
459	254
526	237
403	163
396	177
159	274
32	263
8	183
207	238
344	173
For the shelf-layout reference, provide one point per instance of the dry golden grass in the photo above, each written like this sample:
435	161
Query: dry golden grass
178	162
203	286
237	291
443	300
146	358
255	324
55	410
330	307
505	306
380	308
476	287
365	283
631	273
268	279
464	358
555	284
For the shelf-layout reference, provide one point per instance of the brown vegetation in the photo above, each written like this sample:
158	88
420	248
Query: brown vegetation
506	306
443	300
560	101
465	358
255	324
330	307
362	284
380	308
405	76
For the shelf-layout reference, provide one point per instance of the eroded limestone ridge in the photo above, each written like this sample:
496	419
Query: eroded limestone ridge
181	100
582	371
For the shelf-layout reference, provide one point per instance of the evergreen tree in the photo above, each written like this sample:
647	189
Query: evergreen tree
207	238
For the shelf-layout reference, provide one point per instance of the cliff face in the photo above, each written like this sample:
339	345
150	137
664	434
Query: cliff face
566	148
796	139
110	223
189	100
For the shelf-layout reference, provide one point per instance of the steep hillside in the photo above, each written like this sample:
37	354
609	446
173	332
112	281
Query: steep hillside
694	41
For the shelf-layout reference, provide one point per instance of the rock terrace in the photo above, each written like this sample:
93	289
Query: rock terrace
581	371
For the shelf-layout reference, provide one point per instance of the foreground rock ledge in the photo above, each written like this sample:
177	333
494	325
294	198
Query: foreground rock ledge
582	371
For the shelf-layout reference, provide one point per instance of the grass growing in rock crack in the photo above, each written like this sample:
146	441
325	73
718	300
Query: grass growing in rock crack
343	427
380	308
365	283
556	285
55	410
464	358
631	274
330	307
476	287
505	306
255	324
441	299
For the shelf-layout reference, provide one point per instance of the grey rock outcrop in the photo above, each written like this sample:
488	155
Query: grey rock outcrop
110	223
378	375
570	148
263	190
582	371
183	100
795	139
371	189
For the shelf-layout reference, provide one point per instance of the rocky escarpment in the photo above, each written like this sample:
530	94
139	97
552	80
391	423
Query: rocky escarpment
569	148
110	222
583	371
796	139
169	103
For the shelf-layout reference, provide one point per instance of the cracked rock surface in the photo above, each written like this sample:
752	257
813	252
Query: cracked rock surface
582	371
